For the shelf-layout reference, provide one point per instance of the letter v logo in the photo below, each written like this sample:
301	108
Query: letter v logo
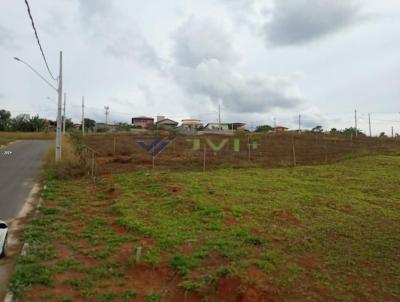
153	145
215	147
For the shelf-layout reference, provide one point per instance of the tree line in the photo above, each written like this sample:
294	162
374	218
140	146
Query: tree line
27	123
318	129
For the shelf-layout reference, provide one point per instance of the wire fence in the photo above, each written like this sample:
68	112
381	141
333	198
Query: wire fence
123	153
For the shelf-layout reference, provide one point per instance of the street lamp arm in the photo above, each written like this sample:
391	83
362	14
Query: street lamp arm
36	72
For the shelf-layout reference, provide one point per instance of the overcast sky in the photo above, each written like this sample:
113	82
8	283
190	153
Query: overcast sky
258	59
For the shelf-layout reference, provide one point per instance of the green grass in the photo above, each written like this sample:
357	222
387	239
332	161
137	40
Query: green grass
316	233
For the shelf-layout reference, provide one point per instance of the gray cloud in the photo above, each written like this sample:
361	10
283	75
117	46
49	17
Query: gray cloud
208	67
120	36
197	41
235	90
147	93
6	38
92	9
301	21
123	43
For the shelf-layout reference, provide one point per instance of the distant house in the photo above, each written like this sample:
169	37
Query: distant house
237	126
165	123
280	129
191	124
217	127
143	122
50	125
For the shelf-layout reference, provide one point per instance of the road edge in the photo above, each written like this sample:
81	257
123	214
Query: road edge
30	204
8	145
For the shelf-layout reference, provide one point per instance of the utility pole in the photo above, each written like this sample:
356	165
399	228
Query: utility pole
219	116
64	117
355	120
274	122
369	121
59	121
83	115
299	122
107	112
392	131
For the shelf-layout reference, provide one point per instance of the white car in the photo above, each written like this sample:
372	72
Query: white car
3	238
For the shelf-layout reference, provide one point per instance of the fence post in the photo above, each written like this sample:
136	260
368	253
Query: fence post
326	153
92	164
294	153
249	149
204	157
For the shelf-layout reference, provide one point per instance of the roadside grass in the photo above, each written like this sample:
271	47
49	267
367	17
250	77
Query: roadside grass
5	141
71	165
7	137
316	233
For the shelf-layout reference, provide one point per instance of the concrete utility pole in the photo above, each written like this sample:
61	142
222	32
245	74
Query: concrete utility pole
107	112
59	121
392	132
274	122
369	121
355	120
64	117
299	122
83	115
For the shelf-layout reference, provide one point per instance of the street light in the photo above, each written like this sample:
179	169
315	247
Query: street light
59	91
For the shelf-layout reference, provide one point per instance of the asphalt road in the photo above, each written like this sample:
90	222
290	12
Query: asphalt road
20	164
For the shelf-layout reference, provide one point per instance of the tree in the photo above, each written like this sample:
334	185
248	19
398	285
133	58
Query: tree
89	124
382	134
68	124
21	123
317	129
5	120
124	127
36	124
352	131
264	128
334	131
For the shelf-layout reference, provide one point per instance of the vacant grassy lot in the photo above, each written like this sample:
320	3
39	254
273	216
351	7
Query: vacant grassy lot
321	233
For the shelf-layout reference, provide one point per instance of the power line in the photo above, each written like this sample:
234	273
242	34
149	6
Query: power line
37	39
